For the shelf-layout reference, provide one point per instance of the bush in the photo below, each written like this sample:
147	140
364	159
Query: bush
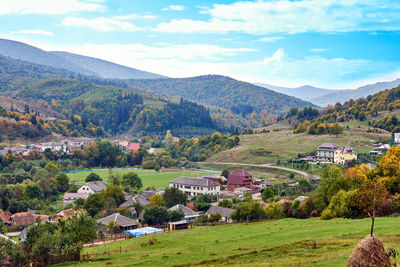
93	177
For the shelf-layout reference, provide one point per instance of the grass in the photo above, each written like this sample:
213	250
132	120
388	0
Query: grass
282	144
149	177
287	242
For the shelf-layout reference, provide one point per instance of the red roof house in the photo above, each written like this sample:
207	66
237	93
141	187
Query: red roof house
239	178
133	147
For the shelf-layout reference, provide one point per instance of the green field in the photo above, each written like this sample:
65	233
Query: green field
287	242
282	144
149	177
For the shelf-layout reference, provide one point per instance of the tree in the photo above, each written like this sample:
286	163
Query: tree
156	200
175	215
174	196
33	191
133	180
93	177
112	227
155	215
94	203
115	192
62	182
267	194
248	211
214	217
226	203
225	173
275	211
52	168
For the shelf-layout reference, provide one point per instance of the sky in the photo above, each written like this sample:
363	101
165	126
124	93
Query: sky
337	44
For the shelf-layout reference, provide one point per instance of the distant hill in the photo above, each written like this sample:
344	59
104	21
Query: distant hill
220	91
363	91
305	92
324	97
106	69
22	51
72	62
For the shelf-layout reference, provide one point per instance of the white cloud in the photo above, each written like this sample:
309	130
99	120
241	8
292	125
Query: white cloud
53	7
135	17
100	24
270	39
38	32
173	8
286	16
319	50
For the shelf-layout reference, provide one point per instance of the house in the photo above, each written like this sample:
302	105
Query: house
133	147
65	214
73	143
215	178
136	199
190	215
124	145
69	198
22	218
380	149
92	187
301	198
396	138
225	212
123	222
344	154
148	194
326	153
22	235
239	178
262	183
54	146
195	186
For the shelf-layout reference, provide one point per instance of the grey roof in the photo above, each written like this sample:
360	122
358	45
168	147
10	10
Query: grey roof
194	181
327	146
148	194
22	235
225	212
96	186
137	199
188	212
119	219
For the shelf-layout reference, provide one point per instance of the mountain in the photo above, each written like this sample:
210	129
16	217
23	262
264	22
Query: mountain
106	69
220	91
324	97
363	91
22	51
306	92
72	62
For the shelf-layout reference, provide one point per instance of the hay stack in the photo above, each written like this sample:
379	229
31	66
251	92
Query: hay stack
369	252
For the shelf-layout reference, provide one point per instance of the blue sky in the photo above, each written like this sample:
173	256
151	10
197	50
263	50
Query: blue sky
326	43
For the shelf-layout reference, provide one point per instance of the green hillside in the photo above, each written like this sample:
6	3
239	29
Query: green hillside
287	242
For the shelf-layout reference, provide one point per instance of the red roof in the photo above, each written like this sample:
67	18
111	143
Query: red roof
240	177
134	147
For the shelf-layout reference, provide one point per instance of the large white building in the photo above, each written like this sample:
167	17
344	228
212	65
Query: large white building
195	186
54	146
92	187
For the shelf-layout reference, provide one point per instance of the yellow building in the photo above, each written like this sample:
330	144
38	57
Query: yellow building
344	154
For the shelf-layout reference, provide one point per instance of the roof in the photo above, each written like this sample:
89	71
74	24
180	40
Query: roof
327	146
26	218
225	212
5	216
134	146
178	222
238	177
194	181
78	139
188	212
119	219
96	186
149	193
137	199
301	198
66	213
22	235
69	196
123	143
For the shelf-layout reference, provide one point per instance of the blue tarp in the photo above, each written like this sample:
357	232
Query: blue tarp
143	231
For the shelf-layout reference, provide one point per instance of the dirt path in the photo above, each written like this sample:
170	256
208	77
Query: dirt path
306	175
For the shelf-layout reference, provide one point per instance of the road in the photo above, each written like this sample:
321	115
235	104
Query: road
306	175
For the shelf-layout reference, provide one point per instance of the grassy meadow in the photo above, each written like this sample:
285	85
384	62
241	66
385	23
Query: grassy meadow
149	177
282	144
286	242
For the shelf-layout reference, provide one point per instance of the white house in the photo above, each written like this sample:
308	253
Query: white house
397	138
225	212
54	146
92	187
190	215
196	186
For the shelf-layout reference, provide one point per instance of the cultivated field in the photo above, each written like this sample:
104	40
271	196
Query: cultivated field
283	144
287	242
149	177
